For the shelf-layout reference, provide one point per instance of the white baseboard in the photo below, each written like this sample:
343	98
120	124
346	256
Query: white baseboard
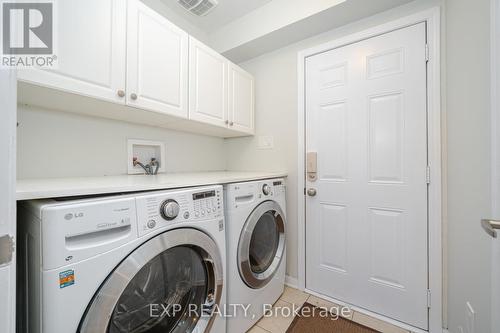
291	281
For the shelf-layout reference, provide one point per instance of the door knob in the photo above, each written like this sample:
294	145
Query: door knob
231	123
311	192
121	93
133	96
489	226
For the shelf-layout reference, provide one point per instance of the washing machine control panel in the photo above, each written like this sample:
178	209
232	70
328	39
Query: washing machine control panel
162	209
206	203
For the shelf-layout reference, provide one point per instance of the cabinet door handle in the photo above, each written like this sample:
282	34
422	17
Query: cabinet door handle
227	122
120	93
231	124
133	96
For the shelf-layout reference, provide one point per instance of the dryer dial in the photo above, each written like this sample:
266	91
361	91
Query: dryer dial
266	189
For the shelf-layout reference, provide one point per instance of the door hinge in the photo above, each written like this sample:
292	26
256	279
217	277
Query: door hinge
6	249
428	298
428	174
426	52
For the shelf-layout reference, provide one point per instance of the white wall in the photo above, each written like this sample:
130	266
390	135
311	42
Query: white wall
59	144
468	103
466	29
495	141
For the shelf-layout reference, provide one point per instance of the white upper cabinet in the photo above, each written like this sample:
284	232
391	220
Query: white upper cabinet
220	93
241	100
157	62
208	84
91	50
152	72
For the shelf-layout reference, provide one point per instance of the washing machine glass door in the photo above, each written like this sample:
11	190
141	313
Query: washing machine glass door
171	283
262	244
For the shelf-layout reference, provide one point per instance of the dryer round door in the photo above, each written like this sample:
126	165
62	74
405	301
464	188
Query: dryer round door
262	244
171	283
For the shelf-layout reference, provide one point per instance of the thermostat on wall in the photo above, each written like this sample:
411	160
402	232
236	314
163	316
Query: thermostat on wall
144	151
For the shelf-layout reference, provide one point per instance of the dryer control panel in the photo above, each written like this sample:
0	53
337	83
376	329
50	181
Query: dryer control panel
248	193
166	208
279	188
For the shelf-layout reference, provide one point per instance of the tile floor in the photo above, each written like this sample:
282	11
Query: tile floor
291	297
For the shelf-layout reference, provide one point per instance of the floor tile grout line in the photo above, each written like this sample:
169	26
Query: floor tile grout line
279	299
262	328
284	301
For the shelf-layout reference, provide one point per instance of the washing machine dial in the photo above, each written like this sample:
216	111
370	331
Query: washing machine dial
266	189
169	209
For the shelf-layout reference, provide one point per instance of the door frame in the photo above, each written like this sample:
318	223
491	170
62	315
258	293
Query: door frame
495	149
435	196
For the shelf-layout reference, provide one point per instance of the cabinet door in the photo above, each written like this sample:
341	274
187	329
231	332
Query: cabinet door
241	100
91	50
207	84
157	60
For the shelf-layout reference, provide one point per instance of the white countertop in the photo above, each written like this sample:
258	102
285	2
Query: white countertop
65	187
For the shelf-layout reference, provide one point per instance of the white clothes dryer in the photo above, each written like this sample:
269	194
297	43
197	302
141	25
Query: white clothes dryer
256	251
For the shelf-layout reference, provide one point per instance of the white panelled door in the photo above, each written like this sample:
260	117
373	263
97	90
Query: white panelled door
366	236
157	62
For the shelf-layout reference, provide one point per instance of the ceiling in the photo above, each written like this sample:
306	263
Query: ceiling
227	11
234	42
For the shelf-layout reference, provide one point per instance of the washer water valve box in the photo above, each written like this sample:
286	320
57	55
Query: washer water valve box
144	151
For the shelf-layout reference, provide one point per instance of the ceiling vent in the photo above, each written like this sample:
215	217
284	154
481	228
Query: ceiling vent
198	7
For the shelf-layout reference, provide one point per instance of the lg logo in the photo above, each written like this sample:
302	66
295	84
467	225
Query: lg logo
70	216
27	28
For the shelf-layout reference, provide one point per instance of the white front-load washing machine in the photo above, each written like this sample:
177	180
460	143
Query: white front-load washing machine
147	262
256	251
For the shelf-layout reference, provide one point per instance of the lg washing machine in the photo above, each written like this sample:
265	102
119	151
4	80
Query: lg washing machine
147	262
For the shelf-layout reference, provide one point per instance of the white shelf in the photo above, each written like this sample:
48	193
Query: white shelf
65	187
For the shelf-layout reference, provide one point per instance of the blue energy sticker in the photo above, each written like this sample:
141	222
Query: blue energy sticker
66	278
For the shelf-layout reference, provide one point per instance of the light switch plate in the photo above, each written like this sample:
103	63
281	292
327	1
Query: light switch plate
144	150
265	142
